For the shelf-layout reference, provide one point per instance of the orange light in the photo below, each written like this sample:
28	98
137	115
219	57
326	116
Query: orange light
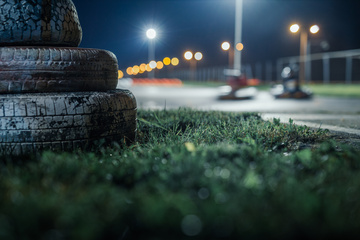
175	61
136	69
120	74
159	65
129	71
142	67
239	46
148	68
167	61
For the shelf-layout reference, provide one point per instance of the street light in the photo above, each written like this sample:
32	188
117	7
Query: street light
198	56
151	35
238	33
227	48
294	28
193	58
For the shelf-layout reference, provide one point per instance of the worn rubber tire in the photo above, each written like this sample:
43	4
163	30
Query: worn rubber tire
51	69
30	123
39	23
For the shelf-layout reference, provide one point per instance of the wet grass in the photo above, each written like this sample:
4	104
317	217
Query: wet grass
208	175
336	90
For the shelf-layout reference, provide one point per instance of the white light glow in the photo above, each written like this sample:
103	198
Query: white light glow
151	33
314	29
188	55
294	28
152	64
225	46
198	56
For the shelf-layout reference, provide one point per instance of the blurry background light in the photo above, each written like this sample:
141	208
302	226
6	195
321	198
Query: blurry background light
188	55
152	64
225	46
294	28
142	67
129	71
148	68
136	69
159	65
175	61
167	61
314	29
120	74
198	56
239	46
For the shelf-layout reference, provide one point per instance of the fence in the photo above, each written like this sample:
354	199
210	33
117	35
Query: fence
327	67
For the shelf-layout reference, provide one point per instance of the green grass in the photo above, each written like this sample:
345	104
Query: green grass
190	83
190	175
332	90
336	90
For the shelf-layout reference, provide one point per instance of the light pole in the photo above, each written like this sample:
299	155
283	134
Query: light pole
193	58
303	47
238	32
151	35
227	48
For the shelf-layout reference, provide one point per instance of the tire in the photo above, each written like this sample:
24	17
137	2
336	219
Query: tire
51	69
39	23
30	123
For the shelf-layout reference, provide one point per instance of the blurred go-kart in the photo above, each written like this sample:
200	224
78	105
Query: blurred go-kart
238	86
290	87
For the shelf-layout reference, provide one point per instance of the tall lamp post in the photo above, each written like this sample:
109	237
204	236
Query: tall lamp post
151	35
303	47
238	33
227	48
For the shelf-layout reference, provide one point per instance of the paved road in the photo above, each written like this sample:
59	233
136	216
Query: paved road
325	112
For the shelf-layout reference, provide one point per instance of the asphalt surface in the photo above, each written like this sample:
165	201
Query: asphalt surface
340	115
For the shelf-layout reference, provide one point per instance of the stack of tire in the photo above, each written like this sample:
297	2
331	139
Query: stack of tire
54	95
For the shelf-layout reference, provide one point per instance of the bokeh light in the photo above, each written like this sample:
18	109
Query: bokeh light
152	64
188	55
142	67
148	68
167	61
239	46
314	29
294	28
225	46
198	56
120	74
129	71
136	69
175	61
159	65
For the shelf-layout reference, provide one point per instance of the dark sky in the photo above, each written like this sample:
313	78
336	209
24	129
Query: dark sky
202	25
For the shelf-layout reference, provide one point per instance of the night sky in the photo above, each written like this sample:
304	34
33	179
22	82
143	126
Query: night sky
202	25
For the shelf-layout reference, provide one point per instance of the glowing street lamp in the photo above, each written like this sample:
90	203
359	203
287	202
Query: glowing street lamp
198	56
188	55
193	58
227	48
151	35
303	47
